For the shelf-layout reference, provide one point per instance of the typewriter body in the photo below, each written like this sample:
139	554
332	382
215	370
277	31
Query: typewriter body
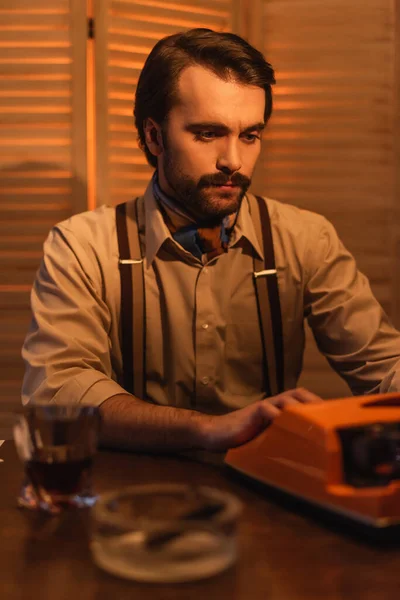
343	455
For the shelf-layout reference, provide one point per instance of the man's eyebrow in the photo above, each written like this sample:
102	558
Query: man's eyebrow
256	127
221	127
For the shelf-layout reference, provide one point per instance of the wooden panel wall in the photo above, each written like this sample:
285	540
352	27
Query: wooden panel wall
38	181
330	146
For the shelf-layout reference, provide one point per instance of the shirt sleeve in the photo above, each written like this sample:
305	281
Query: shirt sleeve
349	325
67	349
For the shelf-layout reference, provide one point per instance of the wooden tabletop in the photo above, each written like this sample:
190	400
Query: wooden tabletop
287	551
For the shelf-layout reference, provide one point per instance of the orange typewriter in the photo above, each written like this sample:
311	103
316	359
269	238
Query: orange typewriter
343	455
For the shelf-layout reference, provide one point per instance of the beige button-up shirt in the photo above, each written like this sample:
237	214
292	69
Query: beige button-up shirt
203	344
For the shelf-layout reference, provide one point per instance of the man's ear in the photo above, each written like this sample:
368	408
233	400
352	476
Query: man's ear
153	137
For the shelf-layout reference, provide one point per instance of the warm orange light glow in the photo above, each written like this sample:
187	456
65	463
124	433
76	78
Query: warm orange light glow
124	144
126	64
174	21
38	110
16	254
30	190
120	127
35	28
60	157
31	44
37	174
121	112
165	5
132	32
39	207
35	93
119	96
127	175
15	288
41	60
127	80
38	76
35	239
129	48
35	142
32	11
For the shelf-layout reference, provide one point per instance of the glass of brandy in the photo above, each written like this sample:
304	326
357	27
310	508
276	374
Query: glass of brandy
57	444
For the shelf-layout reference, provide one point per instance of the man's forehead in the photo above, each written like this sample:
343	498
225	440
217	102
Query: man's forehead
205	96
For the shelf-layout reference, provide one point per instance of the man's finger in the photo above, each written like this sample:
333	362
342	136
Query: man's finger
303	395
268	410
284	400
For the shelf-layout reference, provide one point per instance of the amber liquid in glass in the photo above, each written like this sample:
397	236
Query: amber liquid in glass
60	478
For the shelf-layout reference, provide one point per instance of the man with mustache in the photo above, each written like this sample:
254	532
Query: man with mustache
202	102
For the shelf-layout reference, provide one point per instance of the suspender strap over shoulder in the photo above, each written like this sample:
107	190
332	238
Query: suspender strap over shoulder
267	293
132	299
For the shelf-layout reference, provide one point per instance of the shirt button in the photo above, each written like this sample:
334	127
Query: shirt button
205	380
205	326
205	270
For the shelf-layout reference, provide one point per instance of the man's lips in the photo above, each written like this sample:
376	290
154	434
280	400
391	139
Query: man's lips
225	186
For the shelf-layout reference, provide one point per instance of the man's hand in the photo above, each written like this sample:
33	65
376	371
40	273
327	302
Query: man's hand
240	426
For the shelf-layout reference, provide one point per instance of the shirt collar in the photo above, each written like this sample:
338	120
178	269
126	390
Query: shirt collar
157	232
245	228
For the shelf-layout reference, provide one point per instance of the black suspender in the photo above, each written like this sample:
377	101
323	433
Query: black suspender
133	299
267	294
132	315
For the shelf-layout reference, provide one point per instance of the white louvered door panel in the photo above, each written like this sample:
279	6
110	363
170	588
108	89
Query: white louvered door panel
329	147
126	31
41	182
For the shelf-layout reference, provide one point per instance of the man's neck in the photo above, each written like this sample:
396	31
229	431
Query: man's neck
170	204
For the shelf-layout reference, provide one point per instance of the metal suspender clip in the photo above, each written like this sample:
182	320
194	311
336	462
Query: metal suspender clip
265	273
130	261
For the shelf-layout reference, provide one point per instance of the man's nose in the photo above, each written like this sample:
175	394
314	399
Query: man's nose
229	159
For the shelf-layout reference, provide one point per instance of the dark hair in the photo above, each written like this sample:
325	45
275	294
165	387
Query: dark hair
225	54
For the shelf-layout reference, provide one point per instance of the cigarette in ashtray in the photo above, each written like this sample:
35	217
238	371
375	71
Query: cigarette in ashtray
159	537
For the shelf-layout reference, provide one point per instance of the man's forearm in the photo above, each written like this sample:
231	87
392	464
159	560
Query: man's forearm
134	424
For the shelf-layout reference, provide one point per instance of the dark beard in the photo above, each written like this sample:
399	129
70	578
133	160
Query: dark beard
195	197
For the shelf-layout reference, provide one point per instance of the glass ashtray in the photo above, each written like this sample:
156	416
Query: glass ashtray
165	532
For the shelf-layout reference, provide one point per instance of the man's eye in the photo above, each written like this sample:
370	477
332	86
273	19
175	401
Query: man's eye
205	135
251	137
